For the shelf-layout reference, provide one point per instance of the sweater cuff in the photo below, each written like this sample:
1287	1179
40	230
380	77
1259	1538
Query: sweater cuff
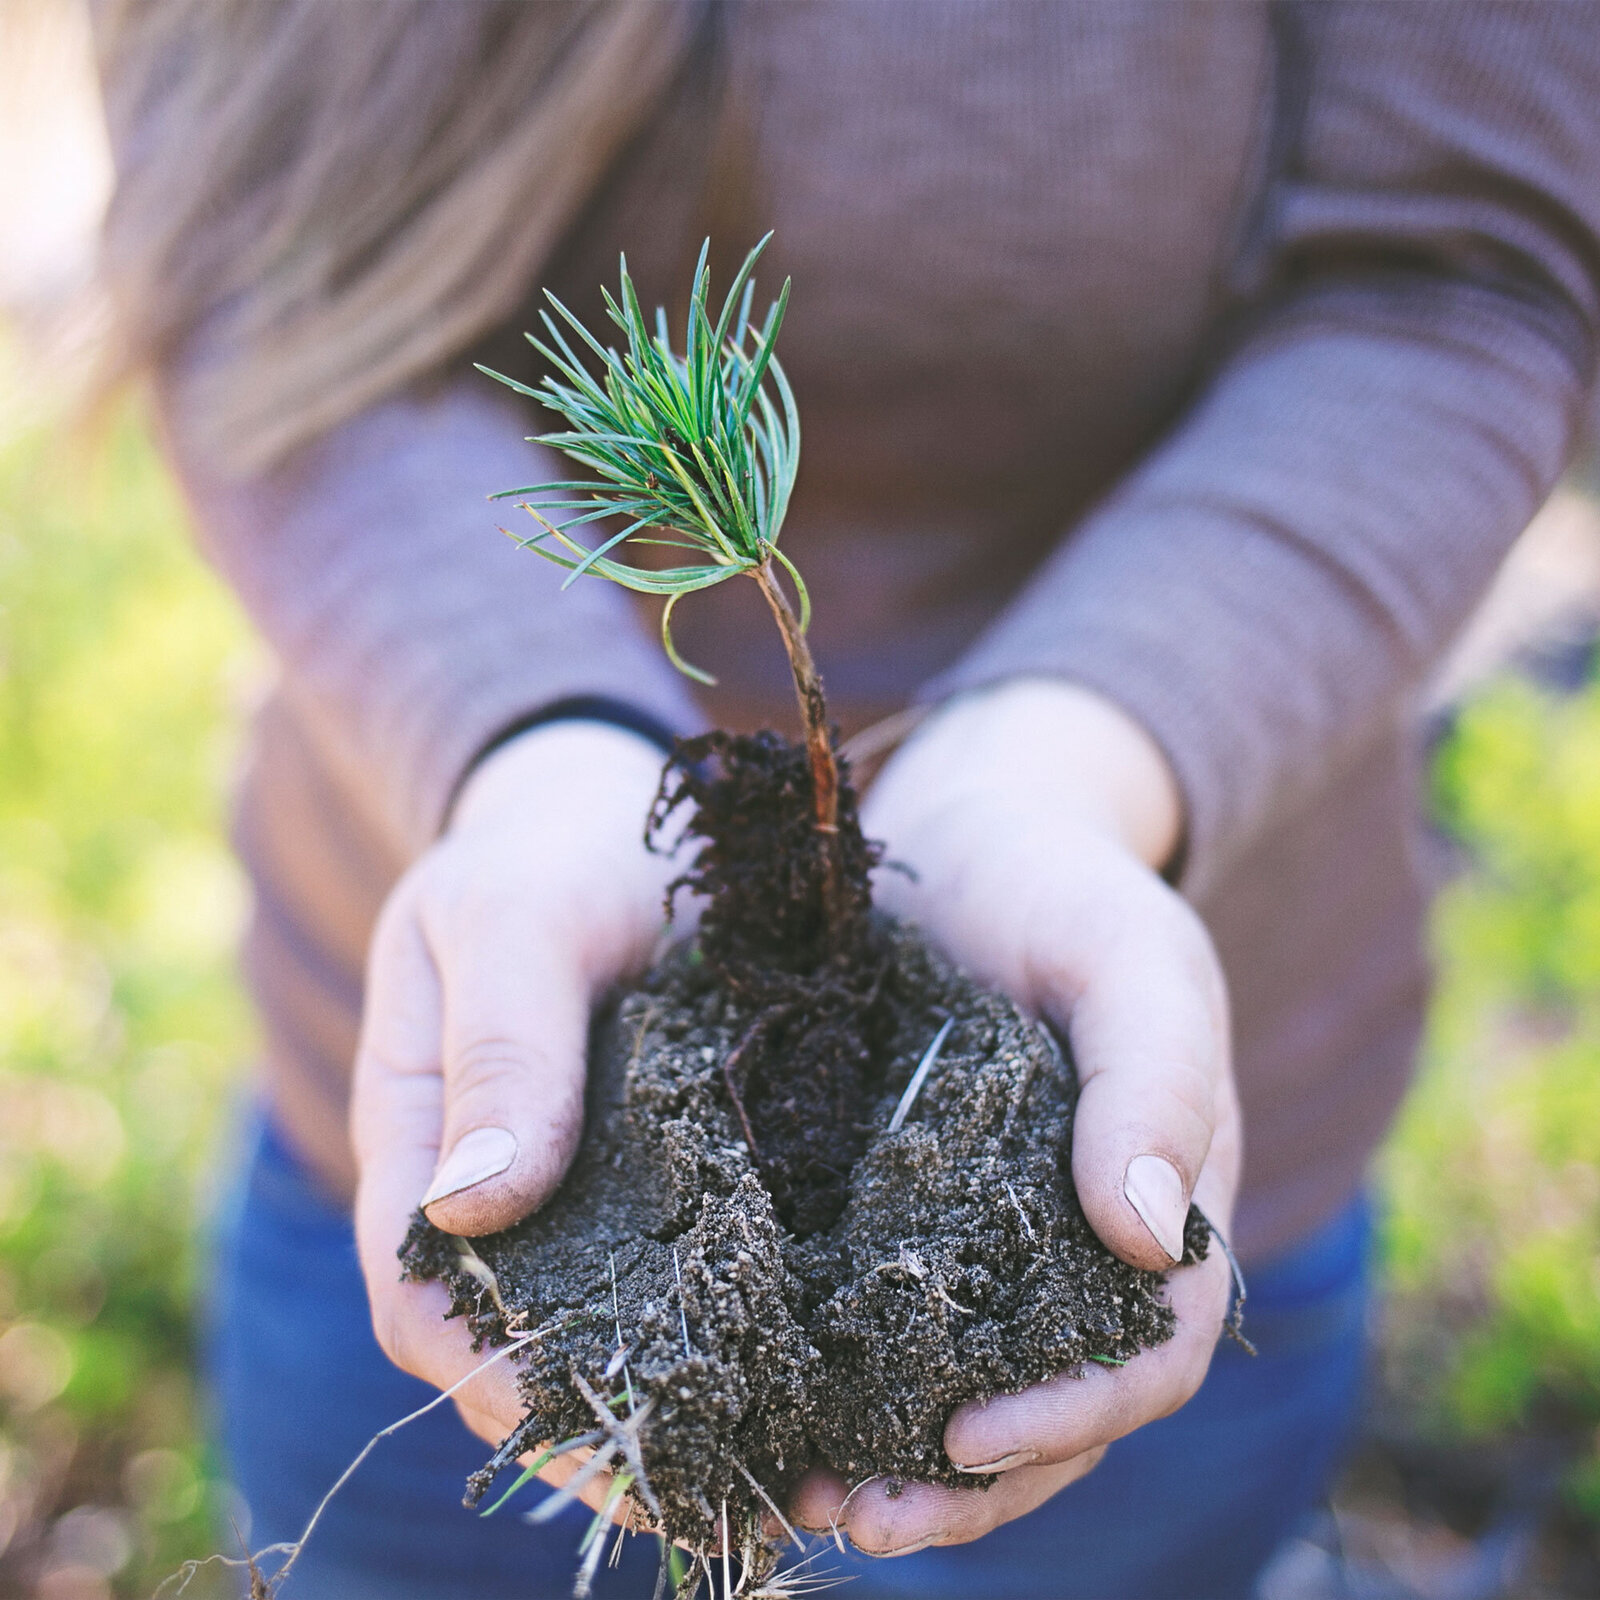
613	713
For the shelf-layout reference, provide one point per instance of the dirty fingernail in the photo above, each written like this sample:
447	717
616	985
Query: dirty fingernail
1017	1458
1155	1190
478	1154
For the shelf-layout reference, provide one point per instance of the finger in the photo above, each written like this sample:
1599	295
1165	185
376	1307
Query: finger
1142	998
886	1517
396	1105
395	1111
515	1031
1062	1418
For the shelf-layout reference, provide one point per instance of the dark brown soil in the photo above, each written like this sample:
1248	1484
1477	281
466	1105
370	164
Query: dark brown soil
798	1076
765	1328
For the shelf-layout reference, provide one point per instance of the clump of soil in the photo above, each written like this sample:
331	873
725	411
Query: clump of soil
744	1259
808	974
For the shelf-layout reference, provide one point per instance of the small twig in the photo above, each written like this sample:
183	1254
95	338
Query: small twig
920	1076
727	1581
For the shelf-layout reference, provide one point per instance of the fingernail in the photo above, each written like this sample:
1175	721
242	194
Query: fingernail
1017	1458
477	1155
911	1549
1155	1190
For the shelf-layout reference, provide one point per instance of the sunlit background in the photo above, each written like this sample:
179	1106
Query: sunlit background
125	671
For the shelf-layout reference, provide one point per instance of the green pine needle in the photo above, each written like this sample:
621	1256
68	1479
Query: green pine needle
696	452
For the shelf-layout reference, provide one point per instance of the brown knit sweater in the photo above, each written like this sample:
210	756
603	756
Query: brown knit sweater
1210	355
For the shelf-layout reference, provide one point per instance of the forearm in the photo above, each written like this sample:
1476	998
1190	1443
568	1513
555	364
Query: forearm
1265	592
1412	344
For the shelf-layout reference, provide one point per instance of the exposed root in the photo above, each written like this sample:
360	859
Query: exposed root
259	1587
1234	1325
263	1588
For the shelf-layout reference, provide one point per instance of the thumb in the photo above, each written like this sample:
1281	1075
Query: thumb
514	1039
1156	1120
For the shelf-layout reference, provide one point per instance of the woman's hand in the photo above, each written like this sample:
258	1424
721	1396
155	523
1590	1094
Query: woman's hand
1036	816
488	955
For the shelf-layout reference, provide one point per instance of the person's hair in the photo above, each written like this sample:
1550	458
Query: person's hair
340	196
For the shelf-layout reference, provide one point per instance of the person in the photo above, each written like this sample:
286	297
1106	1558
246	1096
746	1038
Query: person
1174	378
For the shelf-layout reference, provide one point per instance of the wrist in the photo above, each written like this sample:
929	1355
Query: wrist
594	709
575	771
1049	742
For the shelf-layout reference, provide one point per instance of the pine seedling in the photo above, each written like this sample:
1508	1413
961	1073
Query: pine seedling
696	452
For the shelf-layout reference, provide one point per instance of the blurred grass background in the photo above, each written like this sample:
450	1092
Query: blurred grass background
124	673
122	667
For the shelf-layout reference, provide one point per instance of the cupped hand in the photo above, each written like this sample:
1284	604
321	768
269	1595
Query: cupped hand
486	960
1036	816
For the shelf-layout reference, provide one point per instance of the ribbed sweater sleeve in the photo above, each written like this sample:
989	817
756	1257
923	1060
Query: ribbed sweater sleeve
1266	587
409	631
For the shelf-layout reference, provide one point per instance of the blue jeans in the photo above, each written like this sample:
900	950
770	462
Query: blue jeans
1189	1508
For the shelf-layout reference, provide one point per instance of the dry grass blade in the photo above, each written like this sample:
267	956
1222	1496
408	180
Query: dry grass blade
796	1581
920	1076
769	1502
1027	1226
594	1544
621	1437
602	1458
622	1352
683	1316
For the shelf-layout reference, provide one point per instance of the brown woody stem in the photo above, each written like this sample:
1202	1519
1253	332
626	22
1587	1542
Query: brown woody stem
819	747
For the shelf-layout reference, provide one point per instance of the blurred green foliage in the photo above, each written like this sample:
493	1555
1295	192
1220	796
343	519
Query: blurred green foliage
121	665
1493	1234
123	668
